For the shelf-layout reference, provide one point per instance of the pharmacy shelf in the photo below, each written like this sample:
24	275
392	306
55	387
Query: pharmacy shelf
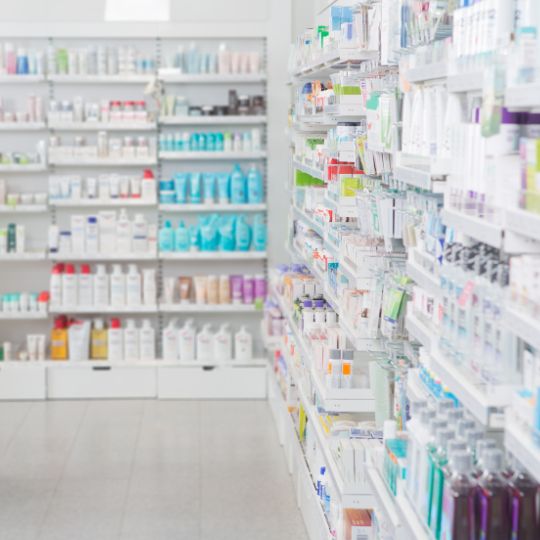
312	171
523	223
487	409
523	325
17	168
342	400
526	96
21	79
334	61
429	72
104	162
474	227
208	78
520	444
105	309
230	120
358	343
99	203
419	331
416	389
22	208
22	126
23	257
158	362
212	255
209	308
31	315
101	79
465	82
418	178
89	257
341	112
423	278
308	220
102	126
188	208
211	156
269	342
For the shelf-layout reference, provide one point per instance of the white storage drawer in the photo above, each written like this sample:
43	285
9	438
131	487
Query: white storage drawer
212	382
94	381
22	380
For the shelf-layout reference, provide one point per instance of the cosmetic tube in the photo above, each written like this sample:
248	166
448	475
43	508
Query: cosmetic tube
237	289
200	289
184	285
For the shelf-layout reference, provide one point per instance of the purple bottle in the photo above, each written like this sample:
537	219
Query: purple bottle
523	492
458	516
260	287
493	499
248	290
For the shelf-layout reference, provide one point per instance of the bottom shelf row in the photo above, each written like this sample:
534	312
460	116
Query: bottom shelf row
108	380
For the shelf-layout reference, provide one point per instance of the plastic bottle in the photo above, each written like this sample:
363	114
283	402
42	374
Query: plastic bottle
133	286
243	234
115	343
92	235
69	286
525	516
181	242
169	341
493	499
255	189
186	342
59	339
243	345
131	341
223	344
148	186
86	286
101	286
98	341
123	233
55	285
204	344
149	287
147	341
118	286
139	241
238	186
259	233
414	428
458	516
166	237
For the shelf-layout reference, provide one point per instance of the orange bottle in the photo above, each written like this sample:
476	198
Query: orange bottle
59	339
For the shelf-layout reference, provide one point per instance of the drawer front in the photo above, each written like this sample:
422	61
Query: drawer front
109	382
219	382
22	381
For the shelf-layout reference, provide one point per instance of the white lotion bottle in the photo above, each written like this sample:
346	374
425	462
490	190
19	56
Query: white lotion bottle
101	286
147	341
204	344
55	286
118	287
186	342
131	341
123	233
133	286
85	286
243	345
149	287
223	344
115	345
169	341
69	286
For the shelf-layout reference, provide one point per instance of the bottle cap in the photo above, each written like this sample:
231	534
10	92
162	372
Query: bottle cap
426	415
454	446
70	269
347	354
464	425
85	268
493	459
473	436
44	296
115	323
443	437
417	406
60	323
57	269
98	324
335	354
435	424
462	462
481	446
444	405
454	415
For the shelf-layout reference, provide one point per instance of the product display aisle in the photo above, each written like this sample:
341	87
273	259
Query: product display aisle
403	333
132	193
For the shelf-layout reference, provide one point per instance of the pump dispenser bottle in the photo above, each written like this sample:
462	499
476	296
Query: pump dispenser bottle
223	344
204	344
243	345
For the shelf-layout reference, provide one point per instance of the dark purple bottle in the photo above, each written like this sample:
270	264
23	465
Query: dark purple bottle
493	499
523	491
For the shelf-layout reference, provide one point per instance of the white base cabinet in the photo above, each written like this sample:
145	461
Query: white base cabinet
22	381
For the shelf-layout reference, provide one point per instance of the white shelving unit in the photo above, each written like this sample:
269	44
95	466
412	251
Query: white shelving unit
213	255
190	208
98	203
101	79
186	78
22	126
104	162
211	156
232	120
102	126
22	208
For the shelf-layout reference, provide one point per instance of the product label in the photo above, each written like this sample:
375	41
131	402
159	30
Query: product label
466	294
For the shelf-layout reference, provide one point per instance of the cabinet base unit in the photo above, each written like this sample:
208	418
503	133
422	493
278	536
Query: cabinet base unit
22	381
212	382
101	382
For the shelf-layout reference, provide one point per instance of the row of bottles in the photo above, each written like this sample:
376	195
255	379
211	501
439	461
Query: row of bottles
185	344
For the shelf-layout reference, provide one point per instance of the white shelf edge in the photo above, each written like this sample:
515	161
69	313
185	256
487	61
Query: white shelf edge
104	162
208	308
101	79
37	315
423	278
233	120
523	325
22	126
312	171
212	255
474	227
212	207
92	203
103	257
22	208
204	78
103	126
520	444
104	309
16	168
210	156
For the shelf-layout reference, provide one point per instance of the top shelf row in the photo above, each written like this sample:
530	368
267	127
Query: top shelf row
179	78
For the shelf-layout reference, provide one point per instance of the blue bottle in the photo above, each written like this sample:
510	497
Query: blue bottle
195	188
227	241
259	233
255	190
181	241
238	186
243	234
194	238
166	237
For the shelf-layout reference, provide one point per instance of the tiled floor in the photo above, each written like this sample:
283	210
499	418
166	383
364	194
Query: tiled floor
144	470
